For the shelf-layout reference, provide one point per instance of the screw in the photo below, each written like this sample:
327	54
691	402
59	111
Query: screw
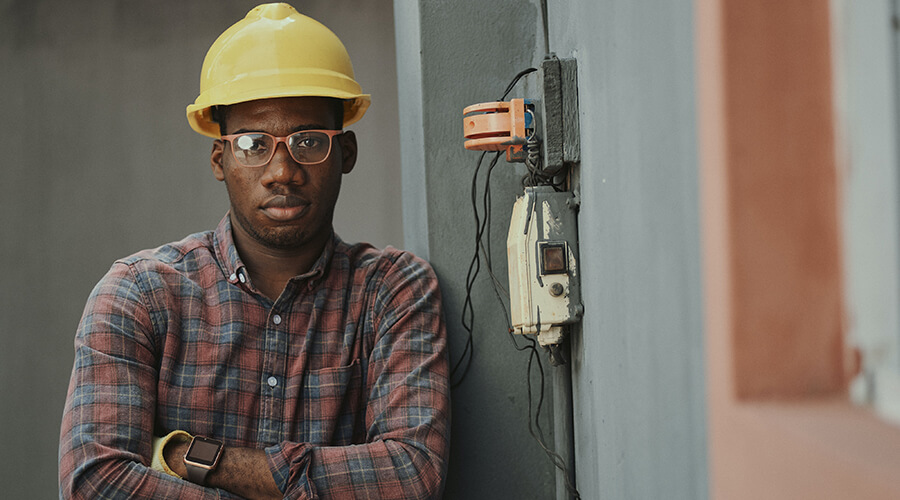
556	289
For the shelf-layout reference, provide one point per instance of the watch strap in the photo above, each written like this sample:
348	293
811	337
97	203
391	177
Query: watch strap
197	475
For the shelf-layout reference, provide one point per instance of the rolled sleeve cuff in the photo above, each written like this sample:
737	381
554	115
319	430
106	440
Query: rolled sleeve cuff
159	445
289	464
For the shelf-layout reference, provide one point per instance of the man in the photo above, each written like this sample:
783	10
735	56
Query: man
267	358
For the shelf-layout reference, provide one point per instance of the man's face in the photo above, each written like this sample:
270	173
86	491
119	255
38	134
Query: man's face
283	205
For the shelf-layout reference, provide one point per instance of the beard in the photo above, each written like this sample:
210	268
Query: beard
280	238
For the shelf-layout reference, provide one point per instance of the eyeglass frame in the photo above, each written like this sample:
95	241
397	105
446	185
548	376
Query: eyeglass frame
283	139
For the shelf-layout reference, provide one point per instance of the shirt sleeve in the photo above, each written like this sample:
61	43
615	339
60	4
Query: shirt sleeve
407	410
107	427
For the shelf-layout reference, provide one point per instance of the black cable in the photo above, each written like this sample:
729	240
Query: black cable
546	27
468	312
515	80
486	249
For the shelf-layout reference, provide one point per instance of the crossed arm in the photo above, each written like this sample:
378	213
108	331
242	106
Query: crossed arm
108	424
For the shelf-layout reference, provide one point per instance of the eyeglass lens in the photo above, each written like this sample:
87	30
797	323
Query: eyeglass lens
254	149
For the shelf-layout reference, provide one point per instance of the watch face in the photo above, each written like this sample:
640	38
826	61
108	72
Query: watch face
203	451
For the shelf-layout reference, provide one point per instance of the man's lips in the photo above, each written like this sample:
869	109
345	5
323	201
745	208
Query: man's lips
285	207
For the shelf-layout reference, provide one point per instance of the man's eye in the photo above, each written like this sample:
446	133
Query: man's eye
251	144
309	143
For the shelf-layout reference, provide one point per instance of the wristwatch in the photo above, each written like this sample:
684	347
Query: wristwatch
202	457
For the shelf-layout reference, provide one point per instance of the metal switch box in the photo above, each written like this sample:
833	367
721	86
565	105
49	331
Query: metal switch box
544	284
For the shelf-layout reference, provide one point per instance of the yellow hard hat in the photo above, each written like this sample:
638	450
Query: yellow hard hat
275	52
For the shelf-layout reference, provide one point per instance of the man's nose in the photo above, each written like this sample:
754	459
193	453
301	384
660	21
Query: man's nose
282	169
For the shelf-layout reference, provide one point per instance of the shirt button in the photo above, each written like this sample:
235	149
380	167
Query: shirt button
272	382
276	319
233	277
242	278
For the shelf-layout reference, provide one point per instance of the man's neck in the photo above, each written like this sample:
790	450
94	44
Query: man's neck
270	269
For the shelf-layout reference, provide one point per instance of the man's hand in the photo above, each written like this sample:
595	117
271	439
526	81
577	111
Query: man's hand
243	471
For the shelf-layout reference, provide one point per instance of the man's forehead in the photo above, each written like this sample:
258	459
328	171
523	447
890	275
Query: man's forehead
299	110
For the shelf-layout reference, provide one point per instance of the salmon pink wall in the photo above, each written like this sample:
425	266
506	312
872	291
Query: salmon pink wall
780	425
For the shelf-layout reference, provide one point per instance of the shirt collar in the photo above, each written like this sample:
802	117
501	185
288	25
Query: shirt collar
226	252
320	267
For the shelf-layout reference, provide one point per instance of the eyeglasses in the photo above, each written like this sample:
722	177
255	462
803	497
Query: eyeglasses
255	149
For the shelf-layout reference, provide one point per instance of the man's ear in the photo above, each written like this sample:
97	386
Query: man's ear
216	157
348	151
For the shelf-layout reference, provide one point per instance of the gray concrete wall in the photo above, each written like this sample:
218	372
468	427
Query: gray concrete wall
639	398
638	379
97	161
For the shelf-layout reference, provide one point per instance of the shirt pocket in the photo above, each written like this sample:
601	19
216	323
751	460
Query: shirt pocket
333	411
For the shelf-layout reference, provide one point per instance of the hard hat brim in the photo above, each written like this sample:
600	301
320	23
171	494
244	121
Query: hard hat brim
199	115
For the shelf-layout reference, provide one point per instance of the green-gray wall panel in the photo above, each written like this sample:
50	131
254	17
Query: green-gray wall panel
469	51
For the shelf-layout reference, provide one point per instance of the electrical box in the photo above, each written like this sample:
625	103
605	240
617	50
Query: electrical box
542	251
542	244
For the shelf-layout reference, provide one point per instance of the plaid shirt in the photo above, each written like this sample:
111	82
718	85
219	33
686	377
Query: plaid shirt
342	380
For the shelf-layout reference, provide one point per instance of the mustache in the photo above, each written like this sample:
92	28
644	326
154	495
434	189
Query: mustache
284	201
